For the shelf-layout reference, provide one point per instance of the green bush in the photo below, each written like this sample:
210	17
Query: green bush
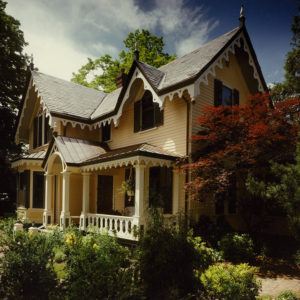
27	267
237	247
205	256
227	281
97	267
287	295
168	257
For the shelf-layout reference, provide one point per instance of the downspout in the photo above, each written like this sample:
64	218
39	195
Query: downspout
189	155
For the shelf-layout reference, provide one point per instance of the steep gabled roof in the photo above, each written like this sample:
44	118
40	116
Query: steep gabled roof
75	102
67	98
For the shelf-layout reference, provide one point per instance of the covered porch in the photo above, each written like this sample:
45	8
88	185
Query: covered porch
113	191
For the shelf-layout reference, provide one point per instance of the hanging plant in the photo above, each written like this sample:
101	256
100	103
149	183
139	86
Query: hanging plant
128	185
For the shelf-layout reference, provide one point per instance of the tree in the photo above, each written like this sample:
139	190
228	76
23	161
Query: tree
241	140
291	84
12	81
105	69
283	187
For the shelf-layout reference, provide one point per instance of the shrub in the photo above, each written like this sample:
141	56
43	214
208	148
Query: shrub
27	267
297	258
97	267
287	295
237	247
166	259
227	281
205	256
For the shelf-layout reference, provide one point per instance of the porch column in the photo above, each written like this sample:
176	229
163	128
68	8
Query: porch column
177	188
47	215
65	213
85	200
139	193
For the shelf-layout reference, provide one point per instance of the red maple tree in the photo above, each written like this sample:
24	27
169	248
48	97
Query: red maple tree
238	140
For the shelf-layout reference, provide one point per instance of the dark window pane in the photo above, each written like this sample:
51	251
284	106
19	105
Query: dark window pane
40	131
105	133
35	132
25	187
147	111
217	92
47	131
160	188
137	116
159	115
38	190
226	96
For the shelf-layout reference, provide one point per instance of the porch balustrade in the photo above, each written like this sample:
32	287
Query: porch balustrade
121	226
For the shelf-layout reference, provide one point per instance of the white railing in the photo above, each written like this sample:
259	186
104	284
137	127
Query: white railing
120	226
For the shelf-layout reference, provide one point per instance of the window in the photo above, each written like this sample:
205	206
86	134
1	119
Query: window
38	190
147	114
41	131
160	188
225	95
105	131
24	188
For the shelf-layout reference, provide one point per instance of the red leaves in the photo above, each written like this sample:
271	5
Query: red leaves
244	136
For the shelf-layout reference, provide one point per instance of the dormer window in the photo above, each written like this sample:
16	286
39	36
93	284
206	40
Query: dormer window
147	114
224	95
41	131
105	133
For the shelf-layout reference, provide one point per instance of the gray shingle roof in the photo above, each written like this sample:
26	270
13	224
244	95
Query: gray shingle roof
70	99
107	105
64	97
192	63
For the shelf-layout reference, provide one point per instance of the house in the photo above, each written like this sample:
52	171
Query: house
86	146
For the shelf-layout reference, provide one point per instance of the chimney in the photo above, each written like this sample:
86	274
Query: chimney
121	78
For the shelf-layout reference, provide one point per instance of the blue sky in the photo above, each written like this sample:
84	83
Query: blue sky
62	34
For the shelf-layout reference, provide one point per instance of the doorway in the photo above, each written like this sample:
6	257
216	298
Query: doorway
105	194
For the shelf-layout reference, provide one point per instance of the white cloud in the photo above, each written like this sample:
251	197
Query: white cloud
62	34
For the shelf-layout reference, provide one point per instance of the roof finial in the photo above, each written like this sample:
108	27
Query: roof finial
242	17
136	52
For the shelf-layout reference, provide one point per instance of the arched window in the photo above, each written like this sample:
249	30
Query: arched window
147	114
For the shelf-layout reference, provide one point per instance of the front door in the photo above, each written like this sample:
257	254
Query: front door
105	194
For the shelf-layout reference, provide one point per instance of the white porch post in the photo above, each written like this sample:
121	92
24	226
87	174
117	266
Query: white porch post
139	193
65	213
47	215
85	199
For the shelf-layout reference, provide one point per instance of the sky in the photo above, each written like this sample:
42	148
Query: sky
62	33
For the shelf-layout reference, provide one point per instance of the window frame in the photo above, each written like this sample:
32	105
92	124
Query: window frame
219	88
38	190
104	131
141	110
41	130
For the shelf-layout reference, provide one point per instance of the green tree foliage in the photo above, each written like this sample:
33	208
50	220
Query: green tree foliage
27	266
12	82
291	85
284	188
105	69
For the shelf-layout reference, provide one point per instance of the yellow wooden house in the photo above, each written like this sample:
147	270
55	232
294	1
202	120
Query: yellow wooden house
102	159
